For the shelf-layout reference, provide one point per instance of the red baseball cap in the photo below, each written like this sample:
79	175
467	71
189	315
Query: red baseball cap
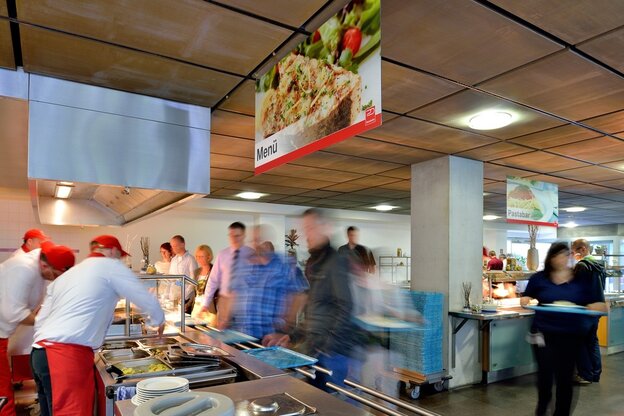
59	257
109	241
35	233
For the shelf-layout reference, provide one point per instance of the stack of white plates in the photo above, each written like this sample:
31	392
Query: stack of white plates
159	386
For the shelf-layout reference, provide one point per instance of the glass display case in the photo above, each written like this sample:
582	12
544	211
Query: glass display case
614	265
170	290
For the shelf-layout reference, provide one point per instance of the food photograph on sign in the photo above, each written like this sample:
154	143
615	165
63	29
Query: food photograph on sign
327	89
532	202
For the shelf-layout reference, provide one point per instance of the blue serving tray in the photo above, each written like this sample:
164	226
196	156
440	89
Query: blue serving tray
563	309
280	357
228	336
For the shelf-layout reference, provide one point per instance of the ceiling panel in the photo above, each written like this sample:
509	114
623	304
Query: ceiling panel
399	186
404	89
609	123
434	36
232	124
227	145
78	59
231	162
291	12
363	183
231	194
216	184
458	109
613	196
554	179
362	147
229	174
345	163
592	174
500	173
572	21
584	189
7	59
608	48
285	181
565	84
619	165
3	8
427	136
242	100
617	183
384	193
189	30
14	143
541	162
307	172
319	194
355	199
555	137
494	151
601	150
400	173
496	187
296	200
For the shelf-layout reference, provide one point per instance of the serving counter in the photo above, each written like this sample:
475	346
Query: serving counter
611	327
503	351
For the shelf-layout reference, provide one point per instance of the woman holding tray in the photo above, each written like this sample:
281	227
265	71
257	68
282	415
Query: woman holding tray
558	335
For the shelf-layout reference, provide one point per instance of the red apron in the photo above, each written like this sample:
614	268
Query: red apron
6	385
72	378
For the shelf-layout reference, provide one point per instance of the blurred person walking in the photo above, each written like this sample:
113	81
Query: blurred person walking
360	256
558	336
589	362
328	332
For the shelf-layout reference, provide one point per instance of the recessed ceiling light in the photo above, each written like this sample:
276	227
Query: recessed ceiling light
63	190
250	195
490	217
569	224
490	120
574	209
384	207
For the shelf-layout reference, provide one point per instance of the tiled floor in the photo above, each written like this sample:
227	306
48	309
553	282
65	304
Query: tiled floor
517	397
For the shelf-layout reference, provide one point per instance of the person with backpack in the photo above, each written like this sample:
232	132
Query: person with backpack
589	363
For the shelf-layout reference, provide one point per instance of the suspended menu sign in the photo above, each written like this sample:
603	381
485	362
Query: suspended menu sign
532	202
328	89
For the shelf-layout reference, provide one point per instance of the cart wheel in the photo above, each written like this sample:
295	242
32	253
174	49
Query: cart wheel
415	392
439	385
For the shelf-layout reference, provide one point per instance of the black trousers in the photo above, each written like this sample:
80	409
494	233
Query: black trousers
589	362
41	373
556	362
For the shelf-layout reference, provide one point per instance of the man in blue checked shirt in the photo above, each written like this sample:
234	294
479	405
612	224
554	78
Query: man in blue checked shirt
262	297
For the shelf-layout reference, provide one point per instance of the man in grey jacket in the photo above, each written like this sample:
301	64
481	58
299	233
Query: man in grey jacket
328	332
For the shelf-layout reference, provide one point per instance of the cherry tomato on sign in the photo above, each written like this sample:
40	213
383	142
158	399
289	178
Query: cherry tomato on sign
316	37
352	39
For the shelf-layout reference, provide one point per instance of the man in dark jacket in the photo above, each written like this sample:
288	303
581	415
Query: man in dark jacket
328	332
589	363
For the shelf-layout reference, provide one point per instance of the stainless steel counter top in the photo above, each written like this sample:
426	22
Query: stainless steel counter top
326	404
506	313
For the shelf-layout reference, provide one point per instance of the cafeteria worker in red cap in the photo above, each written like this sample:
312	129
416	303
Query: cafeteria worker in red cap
32	240
74	318
21	288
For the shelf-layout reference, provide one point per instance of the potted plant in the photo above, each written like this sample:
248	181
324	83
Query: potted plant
291	242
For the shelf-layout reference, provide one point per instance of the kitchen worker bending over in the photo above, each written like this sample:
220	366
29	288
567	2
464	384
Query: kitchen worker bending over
74	318
21	288
32	240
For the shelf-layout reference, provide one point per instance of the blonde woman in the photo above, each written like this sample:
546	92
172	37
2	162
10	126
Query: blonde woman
204	257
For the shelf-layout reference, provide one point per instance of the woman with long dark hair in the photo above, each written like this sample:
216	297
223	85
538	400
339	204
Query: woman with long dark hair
559	335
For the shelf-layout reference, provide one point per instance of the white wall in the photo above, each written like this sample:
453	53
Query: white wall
204	221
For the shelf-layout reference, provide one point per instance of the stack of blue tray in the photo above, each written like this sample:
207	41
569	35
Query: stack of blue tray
421	350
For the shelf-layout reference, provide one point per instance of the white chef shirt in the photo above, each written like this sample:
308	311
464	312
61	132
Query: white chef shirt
221	272
79	305
21	290
18	252
186	265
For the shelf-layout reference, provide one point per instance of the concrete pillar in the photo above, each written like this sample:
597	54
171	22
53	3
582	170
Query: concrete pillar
447	240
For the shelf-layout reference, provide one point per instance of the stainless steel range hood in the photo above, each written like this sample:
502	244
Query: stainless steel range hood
128	156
